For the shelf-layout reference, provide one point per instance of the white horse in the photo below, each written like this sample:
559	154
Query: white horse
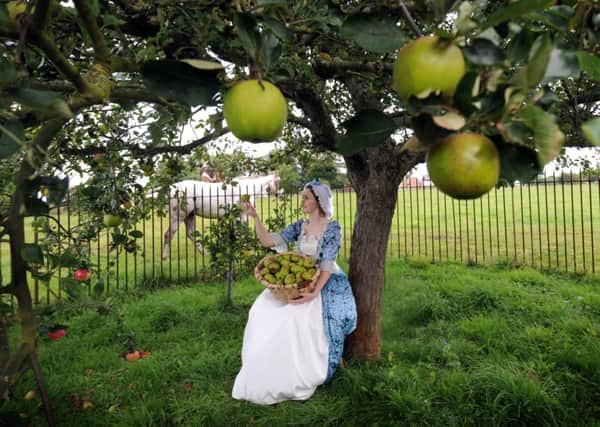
207	199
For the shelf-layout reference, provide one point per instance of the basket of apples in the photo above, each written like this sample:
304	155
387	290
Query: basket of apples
287	274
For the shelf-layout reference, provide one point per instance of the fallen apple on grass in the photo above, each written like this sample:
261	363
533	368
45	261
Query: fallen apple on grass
57	334
136	355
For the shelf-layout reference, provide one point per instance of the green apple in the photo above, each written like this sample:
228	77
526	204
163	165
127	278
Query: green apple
428	65
255	111
112	220
464	165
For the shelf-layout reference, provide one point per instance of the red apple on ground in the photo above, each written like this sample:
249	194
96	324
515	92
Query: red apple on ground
57	334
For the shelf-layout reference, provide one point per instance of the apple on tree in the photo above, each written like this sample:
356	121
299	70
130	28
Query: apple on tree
112	220
255	111
425	65
464	165
81	274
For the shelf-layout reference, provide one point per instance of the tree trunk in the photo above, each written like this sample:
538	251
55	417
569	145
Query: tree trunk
376	183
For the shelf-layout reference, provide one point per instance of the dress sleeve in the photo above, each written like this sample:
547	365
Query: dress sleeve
332	240
288	234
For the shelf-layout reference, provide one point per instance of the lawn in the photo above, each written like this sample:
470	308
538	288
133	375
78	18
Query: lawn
461	345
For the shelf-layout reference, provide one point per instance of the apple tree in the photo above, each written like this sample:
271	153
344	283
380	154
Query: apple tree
108	85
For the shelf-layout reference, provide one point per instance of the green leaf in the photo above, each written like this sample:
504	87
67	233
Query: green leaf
483	52
246	27
517	163
368	128
279	29
8	74
68	259
515	10
72	287
590	64
520	45
557	17
591	130
271	2
32	254
426	130
450	120
8	132
136	234
179	81
41	100
375	33
201	64
112	21
492	104
547	136
463	97
3	14
538	60
563	64
270	49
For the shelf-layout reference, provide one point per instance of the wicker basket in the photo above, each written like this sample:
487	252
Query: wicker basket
286	292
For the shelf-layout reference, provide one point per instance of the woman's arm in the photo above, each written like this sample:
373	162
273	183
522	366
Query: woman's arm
263	235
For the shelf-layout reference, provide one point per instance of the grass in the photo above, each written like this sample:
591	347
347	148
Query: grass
461	346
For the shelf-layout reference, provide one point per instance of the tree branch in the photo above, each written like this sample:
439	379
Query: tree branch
43	41
312	103
8	289
140	151
40	15
301	121
328	69
409	18
91	25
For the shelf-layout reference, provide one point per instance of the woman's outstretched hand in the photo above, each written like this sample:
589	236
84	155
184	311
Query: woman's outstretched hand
248	209
302	298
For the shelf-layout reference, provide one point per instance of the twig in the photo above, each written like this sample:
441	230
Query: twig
410	19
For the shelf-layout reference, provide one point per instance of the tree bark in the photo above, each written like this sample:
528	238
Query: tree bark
375	177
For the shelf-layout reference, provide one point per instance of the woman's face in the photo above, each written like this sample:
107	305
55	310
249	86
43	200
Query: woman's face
309	203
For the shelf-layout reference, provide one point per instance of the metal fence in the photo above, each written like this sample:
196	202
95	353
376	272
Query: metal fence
551	223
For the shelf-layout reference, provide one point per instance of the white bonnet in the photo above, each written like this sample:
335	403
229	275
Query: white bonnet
323	195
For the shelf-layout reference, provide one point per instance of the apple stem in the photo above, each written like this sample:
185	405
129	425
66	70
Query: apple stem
260	82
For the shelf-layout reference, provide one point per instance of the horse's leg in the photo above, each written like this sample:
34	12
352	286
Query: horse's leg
174	221
190	228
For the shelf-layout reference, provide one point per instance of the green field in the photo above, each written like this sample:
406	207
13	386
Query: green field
547	226
461	346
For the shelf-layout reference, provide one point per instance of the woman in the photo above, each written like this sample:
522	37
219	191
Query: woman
291	348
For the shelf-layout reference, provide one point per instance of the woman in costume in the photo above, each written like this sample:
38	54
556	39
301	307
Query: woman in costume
290	348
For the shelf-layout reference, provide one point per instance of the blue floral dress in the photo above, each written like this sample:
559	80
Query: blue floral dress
339	307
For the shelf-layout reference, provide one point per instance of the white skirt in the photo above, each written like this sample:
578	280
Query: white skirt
284	353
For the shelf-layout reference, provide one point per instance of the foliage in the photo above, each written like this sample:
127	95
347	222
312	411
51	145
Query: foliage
233	249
